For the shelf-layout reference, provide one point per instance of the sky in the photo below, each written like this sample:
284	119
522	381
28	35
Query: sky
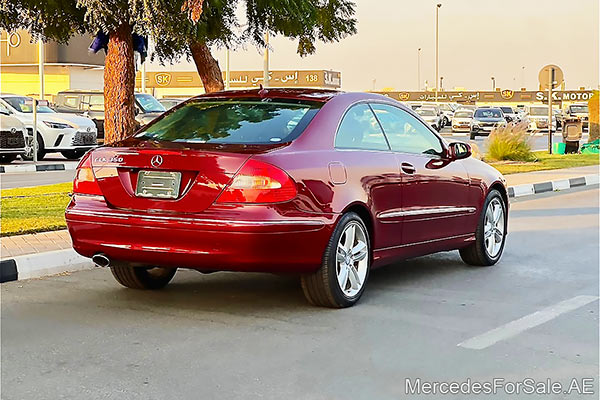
478	39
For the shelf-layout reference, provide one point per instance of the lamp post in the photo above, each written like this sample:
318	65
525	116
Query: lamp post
493	83
419	68
441	83
266	62
437	50
41	57
227	78
523	76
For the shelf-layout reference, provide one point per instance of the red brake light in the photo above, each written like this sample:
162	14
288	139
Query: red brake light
259	182
85	181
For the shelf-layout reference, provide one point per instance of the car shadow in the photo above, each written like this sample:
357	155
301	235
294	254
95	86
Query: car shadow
249	293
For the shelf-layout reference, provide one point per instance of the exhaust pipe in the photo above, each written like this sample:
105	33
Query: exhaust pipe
101	260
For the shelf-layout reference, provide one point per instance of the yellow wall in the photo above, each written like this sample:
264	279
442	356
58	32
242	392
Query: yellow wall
27	82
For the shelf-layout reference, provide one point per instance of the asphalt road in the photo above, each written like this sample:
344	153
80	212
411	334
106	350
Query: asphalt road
25	179
246	336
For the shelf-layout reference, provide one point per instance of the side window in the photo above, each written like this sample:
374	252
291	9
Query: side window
97	103
360	130
4	109
71	101
405	132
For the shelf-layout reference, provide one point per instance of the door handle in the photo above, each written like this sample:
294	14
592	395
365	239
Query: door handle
407	168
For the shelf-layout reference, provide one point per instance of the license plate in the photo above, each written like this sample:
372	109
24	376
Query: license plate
158	184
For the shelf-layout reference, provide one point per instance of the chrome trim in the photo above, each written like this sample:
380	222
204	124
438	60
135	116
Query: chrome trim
424	211
194	220
465	235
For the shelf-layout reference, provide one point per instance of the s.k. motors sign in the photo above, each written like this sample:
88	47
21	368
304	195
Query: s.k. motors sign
575	95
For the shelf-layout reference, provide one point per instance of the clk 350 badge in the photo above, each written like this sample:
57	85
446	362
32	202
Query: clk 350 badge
113	159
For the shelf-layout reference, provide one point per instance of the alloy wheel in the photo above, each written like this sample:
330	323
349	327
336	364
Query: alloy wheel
494	228
352	259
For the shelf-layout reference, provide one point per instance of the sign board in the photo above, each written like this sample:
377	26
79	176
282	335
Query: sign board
549	72
40	103
246	79
505	96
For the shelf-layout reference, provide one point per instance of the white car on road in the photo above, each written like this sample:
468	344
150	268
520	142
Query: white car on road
12	136
69	134
431	116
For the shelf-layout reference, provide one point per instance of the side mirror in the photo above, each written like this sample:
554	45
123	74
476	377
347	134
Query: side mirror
459	151
137	111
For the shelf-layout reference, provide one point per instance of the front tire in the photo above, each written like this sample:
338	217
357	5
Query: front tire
341	280
28	156
144	278
72	154
7	158
490	235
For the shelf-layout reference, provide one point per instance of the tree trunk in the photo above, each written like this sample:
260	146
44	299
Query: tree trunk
208	68
119	85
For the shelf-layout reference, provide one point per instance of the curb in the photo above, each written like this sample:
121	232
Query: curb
55	262
42	264
550	186
37	168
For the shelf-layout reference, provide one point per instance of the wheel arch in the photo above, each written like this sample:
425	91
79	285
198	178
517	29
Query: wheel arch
365	214
500	188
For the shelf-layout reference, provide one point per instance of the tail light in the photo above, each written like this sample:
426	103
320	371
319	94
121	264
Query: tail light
259	182
85	181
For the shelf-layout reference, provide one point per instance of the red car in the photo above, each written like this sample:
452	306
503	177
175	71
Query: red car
319	183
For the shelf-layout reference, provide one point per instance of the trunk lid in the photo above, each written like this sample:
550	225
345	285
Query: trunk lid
203	174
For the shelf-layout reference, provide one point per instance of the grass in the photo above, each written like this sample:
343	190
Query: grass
36	209
42	208
510	142
547	161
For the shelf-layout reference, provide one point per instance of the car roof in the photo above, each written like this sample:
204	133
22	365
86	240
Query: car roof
322	95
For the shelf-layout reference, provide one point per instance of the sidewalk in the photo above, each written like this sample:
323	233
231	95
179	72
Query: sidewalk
19	245
550	175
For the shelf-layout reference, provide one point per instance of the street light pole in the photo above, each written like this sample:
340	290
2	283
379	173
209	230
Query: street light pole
41	57
266	62
441	83
493	83
437	50
523	76
227	77
419	69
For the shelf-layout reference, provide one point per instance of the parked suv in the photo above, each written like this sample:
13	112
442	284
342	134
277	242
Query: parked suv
485	119
90	103
71	135
12	136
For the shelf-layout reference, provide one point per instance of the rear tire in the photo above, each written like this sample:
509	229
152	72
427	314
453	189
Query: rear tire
341	268
482	252
145	278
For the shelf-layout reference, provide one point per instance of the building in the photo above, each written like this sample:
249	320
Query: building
66	66
188	83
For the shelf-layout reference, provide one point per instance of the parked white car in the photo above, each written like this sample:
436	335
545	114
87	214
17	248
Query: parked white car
69	134
12	136
462	120
431	116
538	118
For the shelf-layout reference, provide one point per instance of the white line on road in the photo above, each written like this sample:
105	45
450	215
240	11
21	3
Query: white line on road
517	326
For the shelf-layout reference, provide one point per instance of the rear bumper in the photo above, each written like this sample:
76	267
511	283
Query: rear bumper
250	238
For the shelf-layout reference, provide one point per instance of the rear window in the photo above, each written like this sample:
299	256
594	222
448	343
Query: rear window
233	122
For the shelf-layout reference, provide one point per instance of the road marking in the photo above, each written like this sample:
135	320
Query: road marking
517	326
